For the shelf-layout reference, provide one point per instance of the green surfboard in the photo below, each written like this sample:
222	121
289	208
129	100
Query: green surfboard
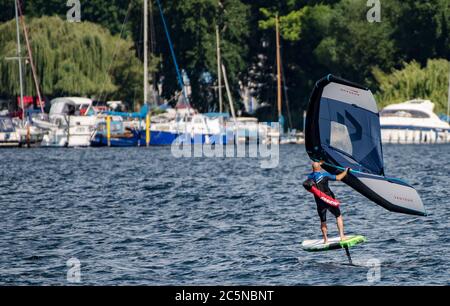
333	243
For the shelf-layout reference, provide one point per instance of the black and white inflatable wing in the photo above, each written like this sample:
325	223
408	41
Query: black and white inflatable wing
343	129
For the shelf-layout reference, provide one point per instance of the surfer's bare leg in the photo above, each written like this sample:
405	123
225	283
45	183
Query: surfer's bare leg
340	226
324	229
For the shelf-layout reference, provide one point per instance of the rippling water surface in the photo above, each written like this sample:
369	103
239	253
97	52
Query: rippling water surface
140	216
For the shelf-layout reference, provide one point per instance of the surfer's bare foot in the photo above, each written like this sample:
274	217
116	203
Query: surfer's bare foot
343	238
325	241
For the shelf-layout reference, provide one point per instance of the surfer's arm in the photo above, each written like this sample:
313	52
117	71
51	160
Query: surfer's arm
340	176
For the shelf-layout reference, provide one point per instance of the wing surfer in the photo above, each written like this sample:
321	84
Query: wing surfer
321	181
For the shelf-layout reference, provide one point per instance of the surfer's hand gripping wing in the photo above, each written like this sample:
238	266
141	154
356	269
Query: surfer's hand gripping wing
341	176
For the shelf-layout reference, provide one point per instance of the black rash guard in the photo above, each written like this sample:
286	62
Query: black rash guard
321	180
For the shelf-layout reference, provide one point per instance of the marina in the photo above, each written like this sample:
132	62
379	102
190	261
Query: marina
75	122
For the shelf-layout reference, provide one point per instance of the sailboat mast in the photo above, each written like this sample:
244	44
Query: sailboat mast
147	116
19	56
286	96
172	51
153	89
279	97
30	56
230	97
219	73
145	51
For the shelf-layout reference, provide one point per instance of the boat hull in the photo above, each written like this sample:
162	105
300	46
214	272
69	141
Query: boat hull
9	144
100	140
414	135
157	138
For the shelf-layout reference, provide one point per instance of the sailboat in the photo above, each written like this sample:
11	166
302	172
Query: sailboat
343	130
192	127
188	126
115	130
28	134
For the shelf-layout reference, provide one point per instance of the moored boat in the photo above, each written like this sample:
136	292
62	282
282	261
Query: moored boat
70	123
8	134
413	122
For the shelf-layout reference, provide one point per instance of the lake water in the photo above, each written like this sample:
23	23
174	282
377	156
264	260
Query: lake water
141	216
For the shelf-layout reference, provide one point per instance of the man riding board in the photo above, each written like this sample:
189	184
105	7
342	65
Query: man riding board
321	180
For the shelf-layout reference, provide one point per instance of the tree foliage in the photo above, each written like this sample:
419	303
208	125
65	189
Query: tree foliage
71	59
335	37
413	81
422	29
193	29
318	37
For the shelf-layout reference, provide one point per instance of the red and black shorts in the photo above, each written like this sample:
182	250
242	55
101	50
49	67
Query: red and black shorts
322	208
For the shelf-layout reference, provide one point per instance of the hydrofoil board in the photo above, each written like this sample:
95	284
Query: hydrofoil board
332	244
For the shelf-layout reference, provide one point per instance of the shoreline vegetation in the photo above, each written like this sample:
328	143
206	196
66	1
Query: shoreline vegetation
402	57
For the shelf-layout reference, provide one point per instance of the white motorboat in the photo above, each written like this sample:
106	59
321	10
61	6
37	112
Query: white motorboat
69	124
8	133
413	122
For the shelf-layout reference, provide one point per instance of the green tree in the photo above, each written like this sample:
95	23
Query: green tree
318	37
412	81
422	29
77	59
6	10
354	45
110	14
302	30
192	27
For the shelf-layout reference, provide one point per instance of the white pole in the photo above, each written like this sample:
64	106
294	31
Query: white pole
304	121
230	98
19	56
30	56
145	51
279	95
219	72
147	117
